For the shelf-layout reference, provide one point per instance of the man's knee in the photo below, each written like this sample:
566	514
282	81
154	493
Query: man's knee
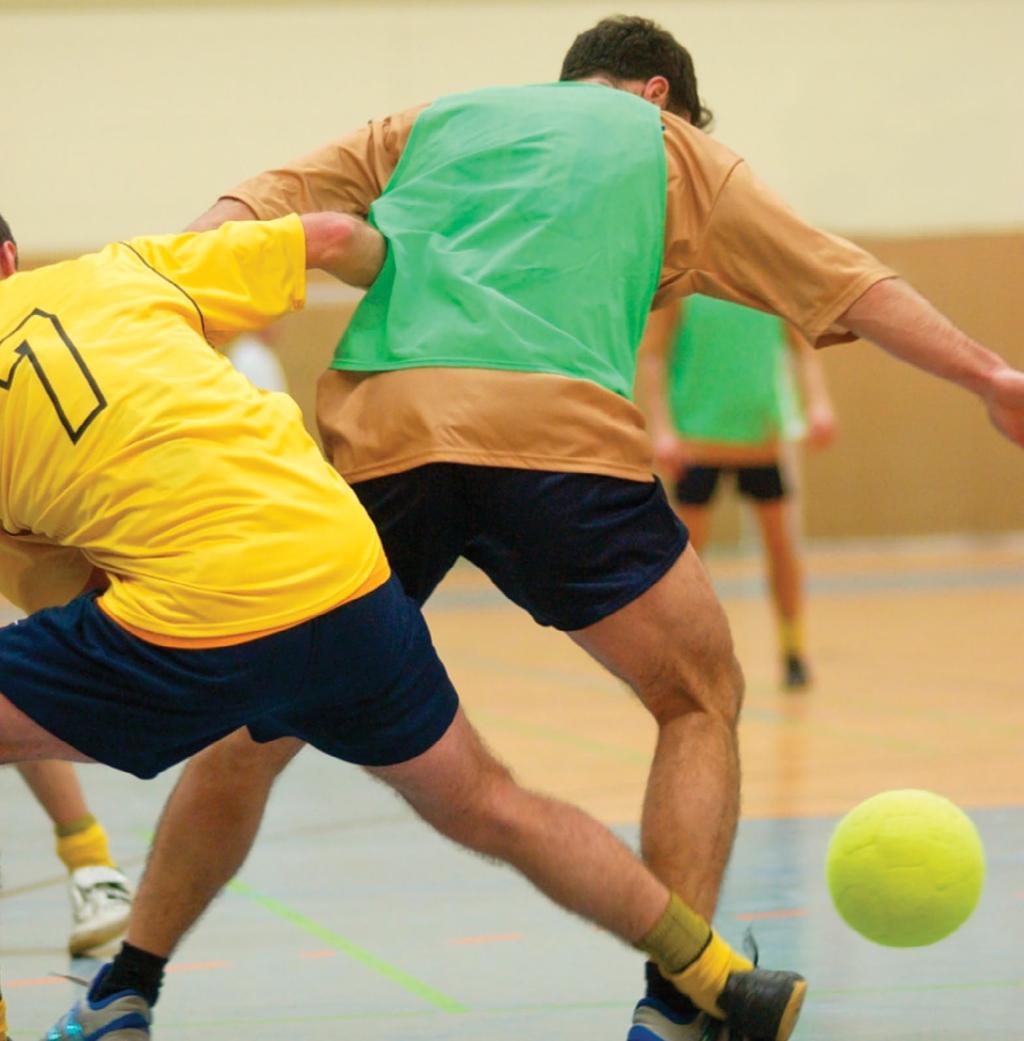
479	813
238	759
707	679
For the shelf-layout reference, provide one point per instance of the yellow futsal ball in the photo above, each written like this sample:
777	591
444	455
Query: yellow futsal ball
905	868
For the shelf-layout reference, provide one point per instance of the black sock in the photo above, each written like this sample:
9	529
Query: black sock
659	988
133	969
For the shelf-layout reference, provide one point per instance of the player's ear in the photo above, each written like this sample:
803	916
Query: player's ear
8	259
656	90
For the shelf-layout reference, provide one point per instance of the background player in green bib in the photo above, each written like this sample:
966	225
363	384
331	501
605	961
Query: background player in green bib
720	387
524	223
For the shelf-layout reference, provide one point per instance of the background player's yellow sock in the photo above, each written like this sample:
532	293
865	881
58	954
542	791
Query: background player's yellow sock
83	843
791	637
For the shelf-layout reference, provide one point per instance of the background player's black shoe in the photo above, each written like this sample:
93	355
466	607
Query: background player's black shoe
796	676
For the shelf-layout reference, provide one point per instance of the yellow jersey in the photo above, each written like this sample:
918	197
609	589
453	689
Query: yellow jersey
129	444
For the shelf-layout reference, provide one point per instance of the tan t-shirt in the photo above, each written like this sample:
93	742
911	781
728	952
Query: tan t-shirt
726	235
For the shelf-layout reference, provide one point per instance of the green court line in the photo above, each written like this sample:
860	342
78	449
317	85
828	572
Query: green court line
345	946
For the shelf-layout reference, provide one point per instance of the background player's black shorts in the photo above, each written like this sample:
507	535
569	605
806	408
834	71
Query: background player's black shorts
569	548
361	683
764	483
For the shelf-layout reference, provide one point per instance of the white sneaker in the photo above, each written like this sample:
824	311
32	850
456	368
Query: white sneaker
101	901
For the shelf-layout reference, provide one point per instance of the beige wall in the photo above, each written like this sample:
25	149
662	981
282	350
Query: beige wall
881	116
884	119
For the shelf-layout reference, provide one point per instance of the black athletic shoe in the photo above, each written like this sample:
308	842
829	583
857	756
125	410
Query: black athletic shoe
764	1003
796	676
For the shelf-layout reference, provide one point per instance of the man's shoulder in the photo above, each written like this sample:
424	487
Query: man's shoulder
689	146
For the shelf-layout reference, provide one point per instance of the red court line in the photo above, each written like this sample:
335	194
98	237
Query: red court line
760	916
497	938
318	954
44	981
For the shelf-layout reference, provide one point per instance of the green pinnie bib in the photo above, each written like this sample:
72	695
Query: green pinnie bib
525	228
729	375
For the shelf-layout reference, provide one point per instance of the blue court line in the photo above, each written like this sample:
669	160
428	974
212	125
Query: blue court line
581	1006
878	582
750	588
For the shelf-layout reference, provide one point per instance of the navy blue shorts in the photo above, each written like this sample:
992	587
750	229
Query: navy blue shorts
569	548
697	485
362	683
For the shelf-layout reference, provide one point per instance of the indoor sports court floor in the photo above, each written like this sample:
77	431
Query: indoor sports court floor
352	919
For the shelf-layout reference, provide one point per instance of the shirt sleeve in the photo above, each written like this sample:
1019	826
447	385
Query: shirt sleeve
35	575
239	277
344	176
755	250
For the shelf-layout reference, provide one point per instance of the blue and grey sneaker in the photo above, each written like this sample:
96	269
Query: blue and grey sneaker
663	1014
653	1020
120	1017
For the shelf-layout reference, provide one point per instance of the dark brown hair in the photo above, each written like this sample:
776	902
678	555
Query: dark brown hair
5	231
628	48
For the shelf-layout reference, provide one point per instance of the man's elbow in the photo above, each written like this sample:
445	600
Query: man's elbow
222	211
344	246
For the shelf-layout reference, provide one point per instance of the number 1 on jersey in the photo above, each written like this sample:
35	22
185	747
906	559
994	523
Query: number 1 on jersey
75	395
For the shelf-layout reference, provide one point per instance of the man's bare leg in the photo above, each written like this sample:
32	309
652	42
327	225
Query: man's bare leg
466	794
672	645
698	523
100	891
205	833
460	789
55	786
785	573
22	740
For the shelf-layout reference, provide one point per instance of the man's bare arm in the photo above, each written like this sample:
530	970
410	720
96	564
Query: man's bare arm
817	402
653	361
343	246
900	320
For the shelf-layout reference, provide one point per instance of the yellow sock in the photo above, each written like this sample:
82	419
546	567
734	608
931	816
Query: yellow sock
3	1020
678	936
704	980
791	636
83	843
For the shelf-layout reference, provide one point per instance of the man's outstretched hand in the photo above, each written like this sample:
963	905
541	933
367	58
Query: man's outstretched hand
1005	402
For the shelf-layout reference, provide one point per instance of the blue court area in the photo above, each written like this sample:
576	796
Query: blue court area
351	917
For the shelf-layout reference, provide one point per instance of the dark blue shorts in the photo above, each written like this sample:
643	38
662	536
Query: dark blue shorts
362	683
569	548
697	485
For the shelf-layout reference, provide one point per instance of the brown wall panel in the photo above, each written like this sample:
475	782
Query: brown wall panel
916	455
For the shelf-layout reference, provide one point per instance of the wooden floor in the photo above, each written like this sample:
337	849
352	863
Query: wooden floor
351	918
917	653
